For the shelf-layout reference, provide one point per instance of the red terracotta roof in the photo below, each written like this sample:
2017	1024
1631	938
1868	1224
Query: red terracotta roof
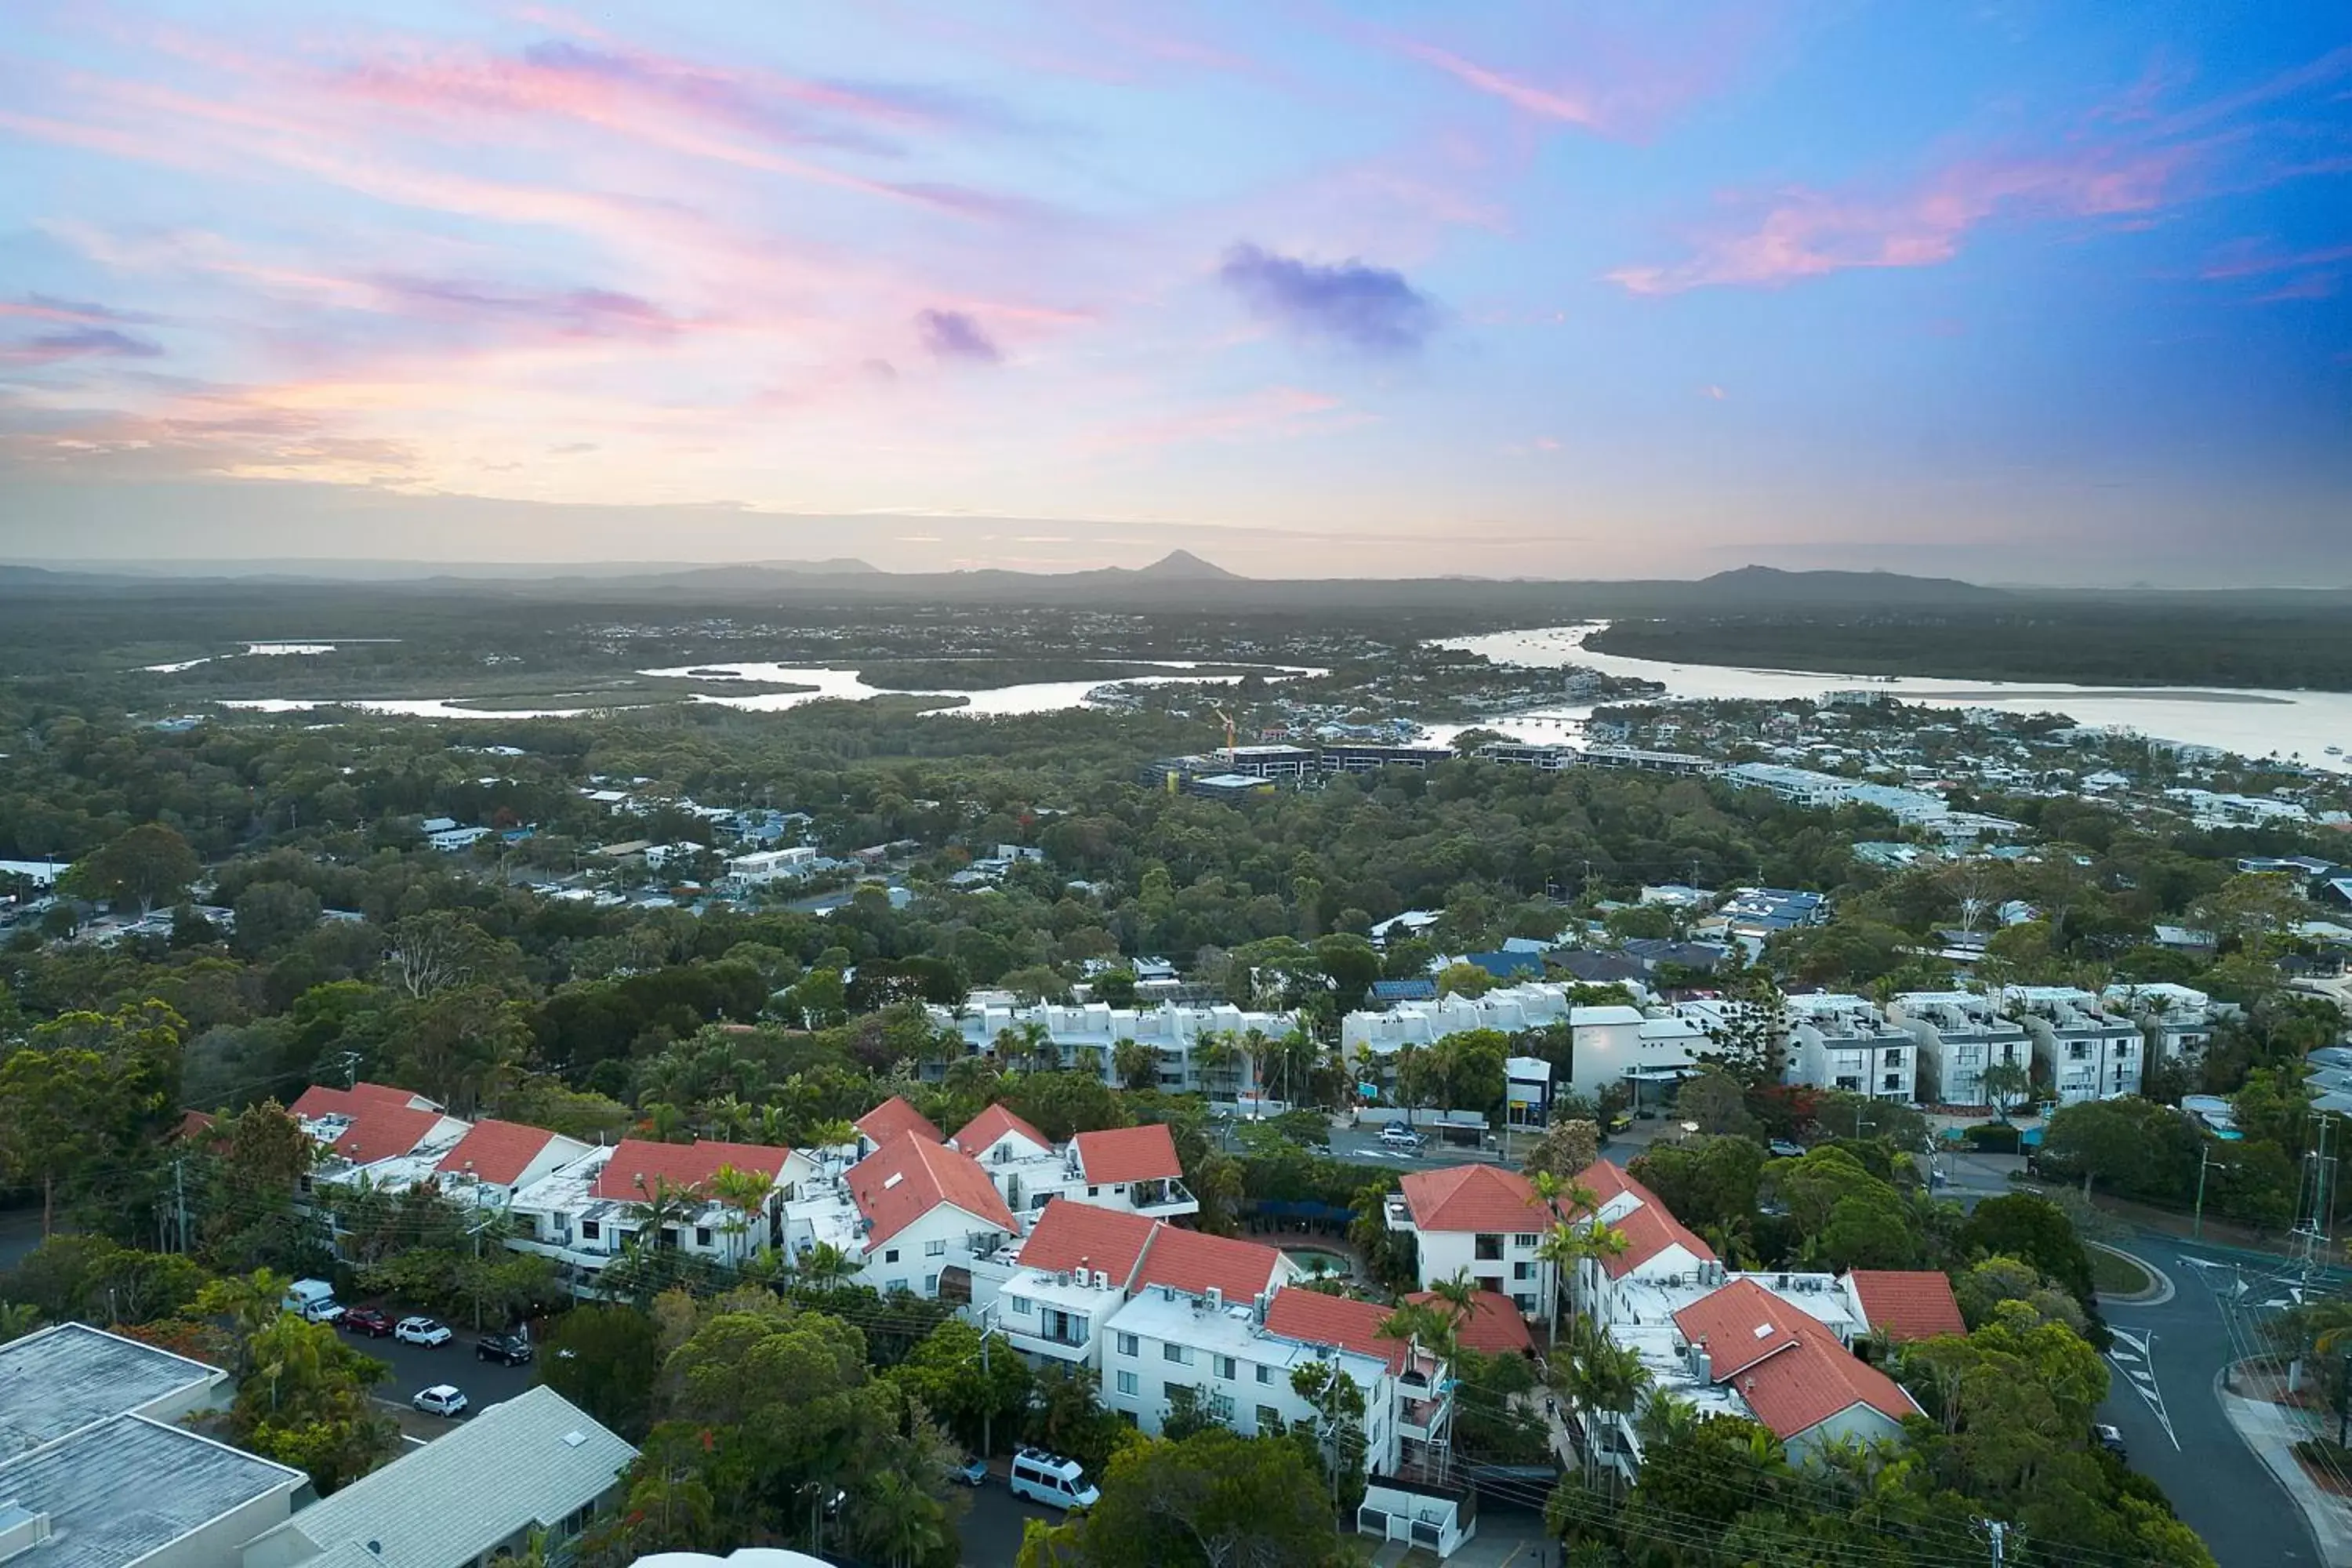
907	1178
1192	1261
193	1124
381	1130
993	1123
1906	1303
496	1151
1070	1235
1474	1198
1144	1153
321	1099
1493	1328
1315	1318
1649	1229
639	1166
893	1116
1788	1367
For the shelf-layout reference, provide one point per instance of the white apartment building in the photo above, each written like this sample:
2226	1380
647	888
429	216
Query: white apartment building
1628	1046
762	866
2176	1020
1134	1169
1479	1221
1841	1042
1238	1359
2087	1052
1172	1031
1960	1033
585	1214
1775	1348
915	1216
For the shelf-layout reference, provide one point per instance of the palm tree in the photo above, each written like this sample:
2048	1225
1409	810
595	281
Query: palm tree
727	1118
1424	1323
18	1318
1089	1060
663	1207
1460	1296
1577	1232
1600	1377
1136	1066
743	1192
1215	1056
663	1122
825	1265
1665	1418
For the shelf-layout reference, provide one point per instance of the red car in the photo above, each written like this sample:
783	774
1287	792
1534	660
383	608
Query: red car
369	1322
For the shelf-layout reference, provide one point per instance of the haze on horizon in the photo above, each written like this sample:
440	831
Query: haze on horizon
2017	291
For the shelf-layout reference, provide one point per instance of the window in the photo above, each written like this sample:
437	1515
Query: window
938	1249
891	1256
701	1235
1023	1306
1177	1354
1225	1367
1094	1192
1523	1270
1127	1383
589	1229
930	1284
1265	1374
1127	1345
1524	1303
1269	1419
1525	1238
1489	1248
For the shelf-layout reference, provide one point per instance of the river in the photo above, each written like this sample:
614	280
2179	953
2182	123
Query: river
2292	724
823	685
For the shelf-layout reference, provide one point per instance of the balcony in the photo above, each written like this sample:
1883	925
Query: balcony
1397	1212
1162	1199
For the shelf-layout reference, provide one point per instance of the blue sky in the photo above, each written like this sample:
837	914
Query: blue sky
2013	290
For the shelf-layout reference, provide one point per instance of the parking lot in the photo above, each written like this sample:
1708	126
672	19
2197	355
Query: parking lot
416	1366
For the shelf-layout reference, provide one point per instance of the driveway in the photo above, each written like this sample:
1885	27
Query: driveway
2163	1369
415	1367
990	1534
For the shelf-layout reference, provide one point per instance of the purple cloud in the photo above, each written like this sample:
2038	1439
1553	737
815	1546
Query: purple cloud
951	335
1370	309
79	342
575	312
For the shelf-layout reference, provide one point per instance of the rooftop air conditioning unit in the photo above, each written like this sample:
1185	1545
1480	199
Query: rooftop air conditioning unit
1216	1298
1102	1280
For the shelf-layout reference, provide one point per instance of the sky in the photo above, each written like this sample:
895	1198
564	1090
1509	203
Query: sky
2013	290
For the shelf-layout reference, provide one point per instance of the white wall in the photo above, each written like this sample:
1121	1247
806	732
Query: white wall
916	1266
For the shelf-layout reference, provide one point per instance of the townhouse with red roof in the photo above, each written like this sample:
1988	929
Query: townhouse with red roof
1482	1221
1783	1368
586	1211
1130	1168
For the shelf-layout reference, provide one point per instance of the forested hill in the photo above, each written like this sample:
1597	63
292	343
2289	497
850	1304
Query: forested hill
2227	640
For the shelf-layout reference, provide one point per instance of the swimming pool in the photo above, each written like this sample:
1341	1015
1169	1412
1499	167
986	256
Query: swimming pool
1320	1261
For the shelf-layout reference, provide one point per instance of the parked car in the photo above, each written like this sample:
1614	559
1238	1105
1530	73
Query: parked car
422	1331
2111	1439
1782	1149
441	1399
972	1472
514	1350
368	1320
1051	1479
1405	1139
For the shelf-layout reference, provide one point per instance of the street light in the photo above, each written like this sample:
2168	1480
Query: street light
2205	1162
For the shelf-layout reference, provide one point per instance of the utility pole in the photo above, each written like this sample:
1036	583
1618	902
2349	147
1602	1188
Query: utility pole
987	1414
1999	1532
2205	1162
180	1201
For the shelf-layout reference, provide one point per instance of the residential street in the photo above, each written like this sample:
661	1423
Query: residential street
2165	1365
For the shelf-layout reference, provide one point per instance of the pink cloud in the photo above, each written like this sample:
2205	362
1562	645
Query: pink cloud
1712	392
1810	234
2247	259
1273	413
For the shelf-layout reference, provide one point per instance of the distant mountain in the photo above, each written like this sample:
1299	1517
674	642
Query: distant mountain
1183	566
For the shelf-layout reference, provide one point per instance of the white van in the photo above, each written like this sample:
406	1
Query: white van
1051	1479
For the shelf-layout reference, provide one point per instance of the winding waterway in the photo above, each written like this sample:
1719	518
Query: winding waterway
2288	724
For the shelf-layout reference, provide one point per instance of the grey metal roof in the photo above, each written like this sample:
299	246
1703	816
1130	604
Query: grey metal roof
528	1462
70	1375
118	1490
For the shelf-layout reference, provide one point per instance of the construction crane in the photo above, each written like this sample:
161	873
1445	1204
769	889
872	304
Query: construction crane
1232	755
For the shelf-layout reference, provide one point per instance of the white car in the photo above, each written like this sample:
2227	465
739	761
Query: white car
422	1331
441	1399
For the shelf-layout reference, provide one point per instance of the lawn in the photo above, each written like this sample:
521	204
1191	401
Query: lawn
2113	1273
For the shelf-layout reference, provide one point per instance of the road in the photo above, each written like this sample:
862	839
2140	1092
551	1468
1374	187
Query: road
990	1532
2163	1369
